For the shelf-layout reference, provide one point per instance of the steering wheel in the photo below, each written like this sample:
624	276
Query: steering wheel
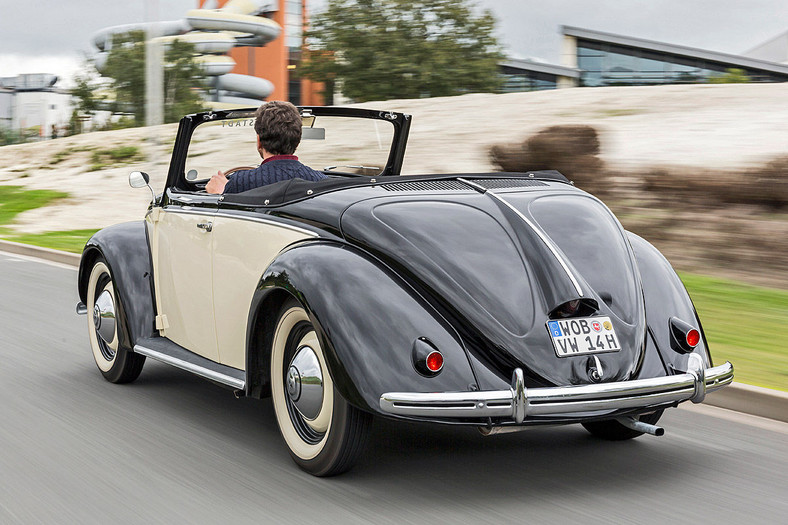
239	168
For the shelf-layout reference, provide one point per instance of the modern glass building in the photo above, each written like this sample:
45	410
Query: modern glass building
605	59
529	75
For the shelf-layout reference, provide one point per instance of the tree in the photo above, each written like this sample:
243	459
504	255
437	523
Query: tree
732	75
383	49
84	90
184	80
125	68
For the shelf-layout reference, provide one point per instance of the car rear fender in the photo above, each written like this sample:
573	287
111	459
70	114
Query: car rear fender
367	320
126	249
665	297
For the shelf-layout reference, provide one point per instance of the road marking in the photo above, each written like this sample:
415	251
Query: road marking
15	257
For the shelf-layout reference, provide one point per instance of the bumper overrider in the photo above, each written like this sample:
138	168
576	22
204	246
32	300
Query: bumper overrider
519	402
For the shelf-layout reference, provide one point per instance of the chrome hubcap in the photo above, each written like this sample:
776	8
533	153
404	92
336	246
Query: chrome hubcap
305	383
293	384
104	316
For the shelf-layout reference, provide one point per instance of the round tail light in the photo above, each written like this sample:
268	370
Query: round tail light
693	338
435	361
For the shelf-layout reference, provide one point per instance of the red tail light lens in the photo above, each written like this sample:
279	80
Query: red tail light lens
693	338
435	361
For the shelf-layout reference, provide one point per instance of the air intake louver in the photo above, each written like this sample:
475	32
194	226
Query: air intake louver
497	184
455	185
428	185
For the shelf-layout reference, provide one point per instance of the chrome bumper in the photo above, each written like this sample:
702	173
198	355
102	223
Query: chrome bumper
519	402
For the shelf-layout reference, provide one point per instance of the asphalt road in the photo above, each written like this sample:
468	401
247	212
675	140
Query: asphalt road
172	448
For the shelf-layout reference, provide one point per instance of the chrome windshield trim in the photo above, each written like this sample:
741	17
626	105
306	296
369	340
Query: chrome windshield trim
519	403
538	231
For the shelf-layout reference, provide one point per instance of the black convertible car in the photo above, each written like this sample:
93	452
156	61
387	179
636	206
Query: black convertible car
497	300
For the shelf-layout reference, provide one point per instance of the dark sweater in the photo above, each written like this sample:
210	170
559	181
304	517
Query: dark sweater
273	169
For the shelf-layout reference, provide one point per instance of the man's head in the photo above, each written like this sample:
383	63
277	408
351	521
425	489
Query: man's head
278	127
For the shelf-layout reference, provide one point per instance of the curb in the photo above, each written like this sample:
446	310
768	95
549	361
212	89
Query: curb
753	400
71	259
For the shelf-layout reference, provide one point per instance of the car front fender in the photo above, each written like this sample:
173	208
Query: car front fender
367	319
126	249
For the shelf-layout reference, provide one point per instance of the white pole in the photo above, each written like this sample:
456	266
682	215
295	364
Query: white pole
154	59
154	83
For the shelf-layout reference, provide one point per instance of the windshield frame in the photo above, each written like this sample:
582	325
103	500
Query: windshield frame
176	177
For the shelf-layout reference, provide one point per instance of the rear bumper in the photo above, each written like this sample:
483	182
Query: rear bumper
518	402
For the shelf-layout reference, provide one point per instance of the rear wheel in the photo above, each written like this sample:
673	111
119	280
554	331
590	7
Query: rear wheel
117	364
324	433
612	430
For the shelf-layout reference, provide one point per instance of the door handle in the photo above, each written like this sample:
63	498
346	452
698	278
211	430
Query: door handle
207	226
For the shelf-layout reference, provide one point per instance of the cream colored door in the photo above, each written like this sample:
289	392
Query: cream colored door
183	277
242	250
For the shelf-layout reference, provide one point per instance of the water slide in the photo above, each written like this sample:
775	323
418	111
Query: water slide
213	32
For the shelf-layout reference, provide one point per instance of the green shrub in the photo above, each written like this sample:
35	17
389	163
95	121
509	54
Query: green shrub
107	158
123	153
731	76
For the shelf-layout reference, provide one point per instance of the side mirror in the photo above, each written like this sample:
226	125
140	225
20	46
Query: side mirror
138	179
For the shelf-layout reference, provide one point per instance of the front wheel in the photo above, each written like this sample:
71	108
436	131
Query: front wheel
117	364
324	433
612	430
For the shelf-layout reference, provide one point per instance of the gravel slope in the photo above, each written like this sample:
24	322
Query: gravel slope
718	126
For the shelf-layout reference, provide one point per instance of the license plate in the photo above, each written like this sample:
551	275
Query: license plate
585	335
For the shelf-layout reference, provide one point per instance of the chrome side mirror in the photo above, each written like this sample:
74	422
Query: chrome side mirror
138	179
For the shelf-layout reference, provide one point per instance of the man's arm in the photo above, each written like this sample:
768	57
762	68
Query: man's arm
217	183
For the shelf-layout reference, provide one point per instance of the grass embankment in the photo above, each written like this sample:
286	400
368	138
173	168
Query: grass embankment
746	325
15	200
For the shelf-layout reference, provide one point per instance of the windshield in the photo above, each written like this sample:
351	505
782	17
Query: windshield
341	145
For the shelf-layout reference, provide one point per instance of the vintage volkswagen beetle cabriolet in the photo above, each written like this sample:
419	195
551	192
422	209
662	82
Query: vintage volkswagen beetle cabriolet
498	300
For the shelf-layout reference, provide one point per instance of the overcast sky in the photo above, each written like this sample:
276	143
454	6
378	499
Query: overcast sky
53	35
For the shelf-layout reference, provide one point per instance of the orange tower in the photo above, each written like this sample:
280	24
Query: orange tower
278	61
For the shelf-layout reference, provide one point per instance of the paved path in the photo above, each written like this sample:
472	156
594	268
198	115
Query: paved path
172	448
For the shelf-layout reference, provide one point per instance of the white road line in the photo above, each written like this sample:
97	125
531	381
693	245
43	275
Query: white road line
15	257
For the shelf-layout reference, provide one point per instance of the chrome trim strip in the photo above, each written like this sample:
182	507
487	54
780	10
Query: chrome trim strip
545	239
477	187
238	384
178	209
518	402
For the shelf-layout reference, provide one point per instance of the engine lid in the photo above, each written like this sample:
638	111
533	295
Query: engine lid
500	266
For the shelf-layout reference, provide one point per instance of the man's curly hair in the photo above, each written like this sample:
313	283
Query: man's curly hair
278	124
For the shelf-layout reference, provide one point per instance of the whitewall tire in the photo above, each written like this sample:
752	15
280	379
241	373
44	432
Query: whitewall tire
116	363
323	433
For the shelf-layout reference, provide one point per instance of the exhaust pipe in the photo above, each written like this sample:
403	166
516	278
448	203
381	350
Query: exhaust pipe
490	431
634	424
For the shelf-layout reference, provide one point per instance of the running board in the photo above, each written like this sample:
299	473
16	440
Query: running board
164	350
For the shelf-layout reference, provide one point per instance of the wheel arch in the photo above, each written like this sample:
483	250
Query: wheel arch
367	331
126	250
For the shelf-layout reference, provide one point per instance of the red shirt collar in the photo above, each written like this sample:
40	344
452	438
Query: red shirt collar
280	157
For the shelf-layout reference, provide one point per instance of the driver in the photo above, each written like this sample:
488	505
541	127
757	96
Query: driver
278	128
